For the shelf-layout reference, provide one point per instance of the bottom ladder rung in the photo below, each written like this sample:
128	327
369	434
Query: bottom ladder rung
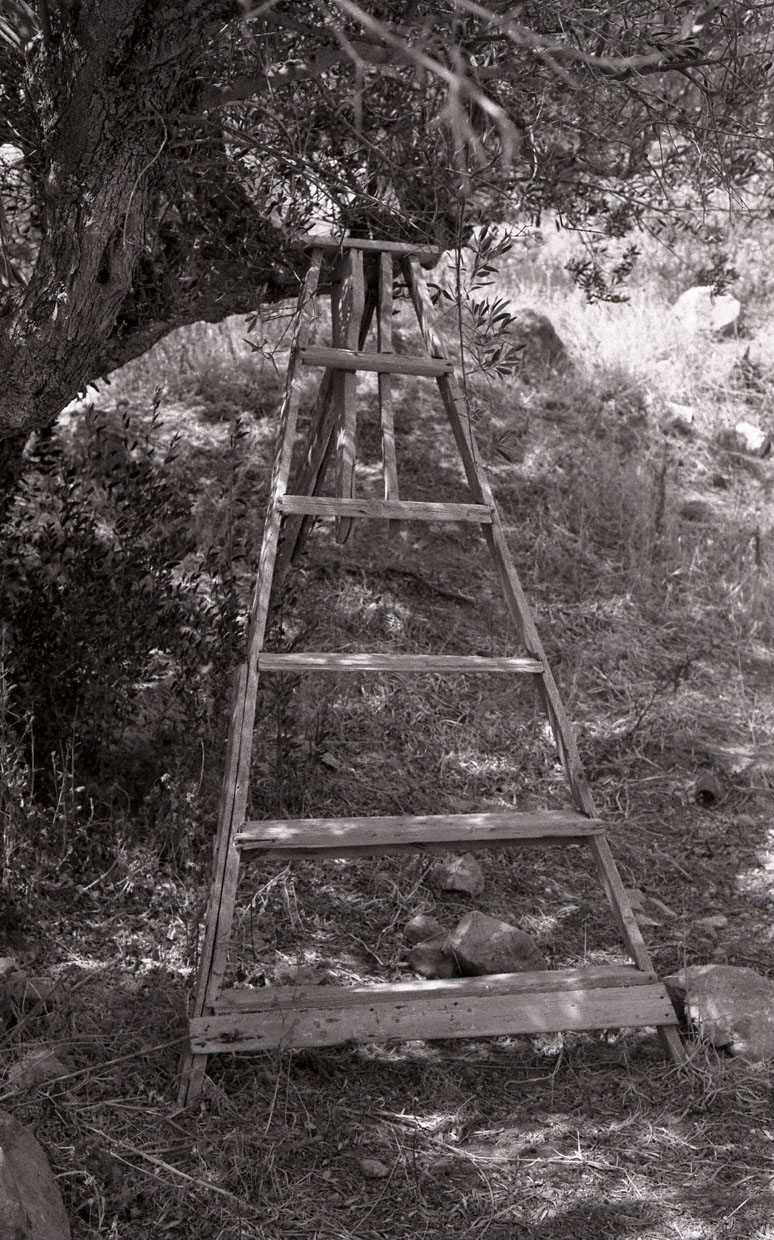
504	1003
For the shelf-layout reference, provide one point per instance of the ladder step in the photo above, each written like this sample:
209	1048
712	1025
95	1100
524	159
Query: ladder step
338	837
505	1003
405	510
383	363
375	662
403	249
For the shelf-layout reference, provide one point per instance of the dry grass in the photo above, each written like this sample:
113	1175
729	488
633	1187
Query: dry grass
647	555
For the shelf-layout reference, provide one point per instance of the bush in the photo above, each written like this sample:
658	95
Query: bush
113	645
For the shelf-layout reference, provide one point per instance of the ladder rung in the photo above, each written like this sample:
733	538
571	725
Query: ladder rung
405	510
375	662
385	363
336	837
505	1003
424	253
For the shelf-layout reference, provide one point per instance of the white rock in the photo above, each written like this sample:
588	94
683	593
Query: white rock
699	310
752	439
731	1007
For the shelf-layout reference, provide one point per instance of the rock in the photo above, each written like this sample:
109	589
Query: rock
718	921
30	1203
681	416
433	958
373	1168
421	928
39	1065
730	1007
299	975
751	439
482	944
534	336
700	310
647	909
459	874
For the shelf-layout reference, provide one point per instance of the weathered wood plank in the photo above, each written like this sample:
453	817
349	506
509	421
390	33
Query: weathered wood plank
516	985
315	837
423	253
433	1016
405	510
311	661
385	363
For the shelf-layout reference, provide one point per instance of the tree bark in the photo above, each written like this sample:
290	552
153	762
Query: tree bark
107	86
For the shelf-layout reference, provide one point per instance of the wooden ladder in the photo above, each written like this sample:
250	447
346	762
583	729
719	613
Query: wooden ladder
226	1019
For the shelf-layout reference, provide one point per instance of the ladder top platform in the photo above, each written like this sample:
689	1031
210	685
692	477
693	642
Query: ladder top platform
337	837
401	249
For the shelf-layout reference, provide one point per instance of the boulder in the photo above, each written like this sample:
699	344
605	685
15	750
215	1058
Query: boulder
731	1007
482	944
30	1203
700	310
459	874
533	334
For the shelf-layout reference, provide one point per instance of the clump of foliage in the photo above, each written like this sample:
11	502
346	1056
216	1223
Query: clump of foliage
112	627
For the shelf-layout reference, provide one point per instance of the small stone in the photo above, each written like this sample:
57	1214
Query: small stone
38	1066
433	959
459	874
421	927
751	439
373	1168
298	975
682	417
717	922
482	944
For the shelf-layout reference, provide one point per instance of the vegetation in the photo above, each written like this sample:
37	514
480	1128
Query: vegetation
157	161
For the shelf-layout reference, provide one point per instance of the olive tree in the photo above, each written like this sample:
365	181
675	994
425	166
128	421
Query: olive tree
158	159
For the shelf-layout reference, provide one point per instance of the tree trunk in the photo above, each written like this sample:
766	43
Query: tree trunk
108	82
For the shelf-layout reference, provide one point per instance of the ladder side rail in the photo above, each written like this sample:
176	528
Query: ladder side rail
352	305
233	803
620	904
517	601
386	412
498	545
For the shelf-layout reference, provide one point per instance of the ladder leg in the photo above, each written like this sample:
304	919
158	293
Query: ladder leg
386	416
346	332
312	474
233	804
